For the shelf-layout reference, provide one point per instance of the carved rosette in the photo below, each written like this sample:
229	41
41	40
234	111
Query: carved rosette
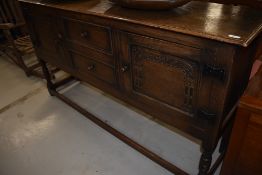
140	54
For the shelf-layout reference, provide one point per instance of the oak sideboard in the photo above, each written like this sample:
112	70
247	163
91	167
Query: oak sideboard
187	67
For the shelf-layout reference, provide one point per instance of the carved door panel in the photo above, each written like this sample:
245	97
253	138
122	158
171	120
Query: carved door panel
163	75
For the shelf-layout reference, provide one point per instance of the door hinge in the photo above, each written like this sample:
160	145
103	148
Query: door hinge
203	113
214	71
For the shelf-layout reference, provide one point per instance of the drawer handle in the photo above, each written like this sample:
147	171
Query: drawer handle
91	67
59	36
84	34
124	68
206	114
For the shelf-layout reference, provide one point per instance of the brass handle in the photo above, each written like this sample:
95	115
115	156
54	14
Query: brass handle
84	34
91	67
124	68
58	39
204	113
59	35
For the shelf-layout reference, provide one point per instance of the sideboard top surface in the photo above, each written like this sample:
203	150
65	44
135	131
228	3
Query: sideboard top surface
231	24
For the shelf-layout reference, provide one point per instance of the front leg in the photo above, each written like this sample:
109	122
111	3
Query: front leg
50	84
205	162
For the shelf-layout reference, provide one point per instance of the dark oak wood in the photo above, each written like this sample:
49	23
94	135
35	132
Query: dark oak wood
151	5
207	20
186	67
88	35
244	152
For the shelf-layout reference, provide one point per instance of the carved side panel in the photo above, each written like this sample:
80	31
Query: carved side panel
181	75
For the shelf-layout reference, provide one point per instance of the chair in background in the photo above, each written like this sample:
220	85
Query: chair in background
20	45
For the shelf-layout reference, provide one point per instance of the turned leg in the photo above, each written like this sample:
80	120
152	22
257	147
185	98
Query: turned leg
205	162
226	135
50	85
224	142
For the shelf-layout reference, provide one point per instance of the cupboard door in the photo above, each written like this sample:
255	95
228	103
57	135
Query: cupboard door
162	75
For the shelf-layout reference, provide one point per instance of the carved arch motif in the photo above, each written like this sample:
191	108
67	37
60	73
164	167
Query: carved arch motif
139	53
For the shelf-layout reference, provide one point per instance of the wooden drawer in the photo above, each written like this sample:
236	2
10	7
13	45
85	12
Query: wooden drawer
89	67
91	53
88	35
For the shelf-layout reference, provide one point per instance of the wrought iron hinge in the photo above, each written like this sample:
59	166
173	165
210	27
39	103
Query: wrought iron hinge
203	113
214	71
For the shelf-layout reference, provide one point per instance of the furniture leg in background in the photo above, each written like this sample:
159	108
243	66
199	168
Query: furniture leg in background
17	47
245	148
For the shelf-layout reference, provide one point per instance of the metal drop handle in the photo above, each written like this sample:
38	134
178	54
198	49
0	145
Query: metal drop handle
124	68
91	67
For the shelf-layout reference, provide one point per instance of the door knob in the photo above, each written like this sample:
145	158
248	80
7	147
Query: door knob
124	68
91	67
84	34
59	35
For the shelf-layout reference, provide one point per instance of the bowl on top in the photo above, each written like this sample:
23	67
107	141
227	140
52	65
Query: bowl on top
151	4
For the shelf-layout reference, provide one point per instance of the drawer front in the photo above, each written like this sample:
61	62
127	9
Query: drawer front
88	35
99	56
88	67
